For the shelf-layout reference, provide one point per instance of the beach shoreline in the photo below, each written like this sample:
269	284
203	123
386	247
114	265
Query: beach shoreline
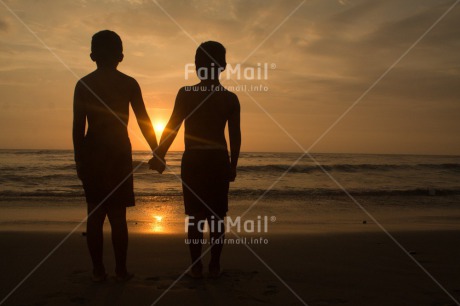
307	215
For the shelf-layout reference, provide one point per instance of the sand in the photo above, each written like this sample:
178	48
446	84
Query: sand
335	268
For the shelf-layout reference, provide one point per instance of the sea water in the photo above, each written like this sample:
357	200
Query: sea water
41	186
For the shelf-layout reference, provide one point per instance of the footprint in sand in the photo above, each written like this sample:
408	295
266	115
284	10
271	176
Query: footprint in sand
238	275
79	300
332	301
184	283
270	290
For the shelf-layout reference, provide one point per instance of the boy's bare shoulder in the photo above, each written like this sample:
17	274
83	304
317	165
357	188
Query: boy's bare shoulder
232	97
127	81
86	79
126	77
184	89
232	94
85	82
120	77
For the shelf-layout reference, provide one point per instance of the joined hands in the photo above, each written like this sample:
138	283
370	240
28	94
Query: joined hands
158	164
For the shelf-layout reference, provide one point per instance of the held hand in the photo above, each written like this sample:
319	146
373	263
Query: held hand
232	174
157	164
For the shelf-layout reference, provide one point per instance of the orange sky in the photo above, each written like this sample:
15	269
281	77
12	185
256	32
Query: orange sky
326	55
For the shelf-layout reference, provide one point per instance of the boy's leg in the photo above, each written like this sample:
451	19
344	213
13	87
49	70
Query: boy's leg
217	235
195	236
117	218
94	237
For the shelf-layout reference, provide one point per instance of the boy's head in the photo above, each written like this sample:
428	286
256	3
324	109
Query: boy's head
106	48
210	60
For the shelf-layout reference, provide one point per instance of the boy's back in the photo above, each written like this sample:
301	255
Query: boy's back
105	96
206	113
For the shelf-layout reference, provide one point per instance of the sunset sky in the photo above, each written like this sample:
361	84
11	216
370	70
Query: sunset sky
321	59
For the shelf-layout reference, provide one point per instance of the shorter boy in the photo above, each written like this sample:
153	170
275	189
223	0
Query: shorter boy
206	168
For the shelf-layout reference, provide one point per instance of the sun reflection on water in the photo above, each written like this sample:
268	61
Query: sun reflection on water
157	226
155	217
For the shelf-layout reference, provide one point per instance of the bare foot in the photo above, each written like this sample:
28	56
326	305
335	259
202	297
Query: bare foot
99	278
195	273
124	278
214	270
214	273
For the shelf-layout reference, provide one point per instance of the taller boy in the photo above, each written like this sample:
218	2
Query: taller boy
103	155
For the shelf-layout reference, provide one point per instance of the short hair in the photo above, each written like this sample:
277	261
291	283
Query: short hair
106	45
210	52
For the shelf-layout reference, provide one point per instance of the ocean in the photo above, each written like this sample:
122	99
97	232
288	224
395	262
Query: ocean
41	186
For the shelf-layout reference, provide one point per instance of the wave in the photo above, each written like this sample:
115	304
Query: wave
33	179
48	177
339	192
69	167
35	152
348	167
41	193
250	193
59	167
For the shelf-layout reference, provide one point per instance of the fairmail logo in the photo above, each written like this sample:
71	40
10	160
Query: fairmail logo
258	72
258	225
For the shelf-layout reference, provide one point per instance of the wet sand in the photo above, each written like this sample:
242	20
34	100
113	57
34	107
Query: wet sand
335	268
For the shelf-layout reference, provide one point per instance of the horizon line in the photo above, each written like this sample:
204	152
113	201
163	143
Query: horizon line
268	152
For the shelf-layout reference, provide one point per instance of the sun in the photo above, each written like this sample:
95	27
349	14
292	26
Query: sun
159	127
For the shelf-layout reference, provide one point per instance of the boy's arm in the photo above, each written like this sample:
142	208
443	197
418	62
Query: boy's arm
79	125
173	126
143	119
234	132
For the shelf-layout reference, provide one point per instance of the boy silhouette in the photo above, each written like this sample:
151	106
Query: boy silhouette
206	168
103	155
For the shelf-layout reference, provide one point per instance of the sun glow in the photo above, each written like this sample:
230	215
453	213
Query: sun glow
159	127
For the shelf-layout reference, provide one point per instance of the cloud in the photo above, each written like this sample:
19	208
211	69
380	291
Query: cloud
3	26
327	54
